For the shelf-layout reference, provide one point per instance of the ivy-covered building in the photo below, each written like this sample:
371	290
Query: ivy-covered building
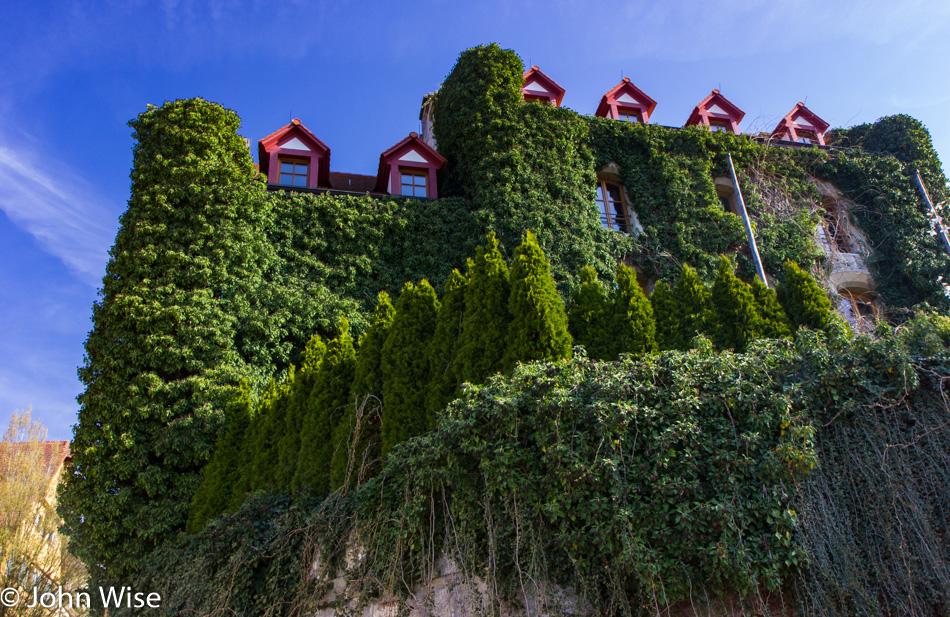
292	158
631	479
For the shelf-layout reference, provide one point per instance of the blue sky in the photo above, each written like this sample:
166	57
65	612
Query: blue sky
73	73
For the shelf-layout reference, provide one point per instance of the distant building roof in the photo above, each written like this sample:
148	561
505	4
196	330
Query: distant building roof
357	183
54	454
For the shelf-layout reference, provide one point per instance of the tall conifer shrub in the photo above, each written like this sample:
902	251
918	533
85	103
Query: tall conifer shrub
805	303
634	327
255	468
223	471
666	315
692	308
406	371
772	322
298	407
444	345
538	329
483	338
589	319
734	316
359	432
328	401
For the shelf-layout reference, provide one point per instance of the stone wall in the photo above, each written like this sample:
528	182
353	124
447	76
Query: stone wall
450	593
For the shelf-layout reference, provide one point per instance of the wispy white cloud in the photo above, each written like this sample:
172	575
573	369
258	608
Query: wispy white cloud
692	30
45	199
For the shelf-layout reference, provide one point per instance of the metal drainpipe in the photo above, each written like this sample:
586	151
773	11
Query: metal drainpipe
746	223
941	228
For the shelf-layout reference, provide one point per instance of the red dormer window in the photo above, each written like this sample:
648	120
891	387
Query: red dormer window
410	168
541	88
413	182
801	125
294	172
627	103
717	113
628	115
293	156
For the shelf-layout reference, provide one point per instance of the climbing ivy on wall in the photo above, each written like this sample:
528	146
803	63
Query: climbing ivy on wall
668	176
522	166
222	282
678	477
909	263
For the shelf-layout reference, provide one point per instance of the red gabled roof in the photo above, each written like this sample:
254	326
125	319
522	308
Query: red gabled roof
625	87
414	142
554	88
715	98
274	137
800	111
417	143
270	142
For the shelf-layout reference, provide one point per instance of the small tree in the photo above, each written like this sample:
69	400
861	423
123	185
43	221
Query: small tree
267	431
482	341
666	316
330	396
805	303
634	326
298	407
405	365
772	322
589	319
223	472
358	435
30	556
692	308
538	329
444	345
734	316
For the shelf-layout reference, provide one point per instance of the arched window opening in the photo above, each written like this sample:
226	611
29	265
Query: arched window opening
613	210
726	195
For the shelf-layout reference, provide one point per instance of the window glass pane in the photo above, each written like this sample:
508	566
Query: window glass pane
614	192
300	180
407	179
287	168
286	179
421	191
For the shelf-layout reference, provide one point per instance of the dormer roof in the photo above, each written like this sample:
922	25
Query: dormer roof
295	139
411	151
716	107
626	95
537	85
800	119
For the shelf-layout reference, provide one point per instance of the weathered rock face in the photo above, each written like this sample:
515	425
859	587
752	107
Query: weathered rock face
450	593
